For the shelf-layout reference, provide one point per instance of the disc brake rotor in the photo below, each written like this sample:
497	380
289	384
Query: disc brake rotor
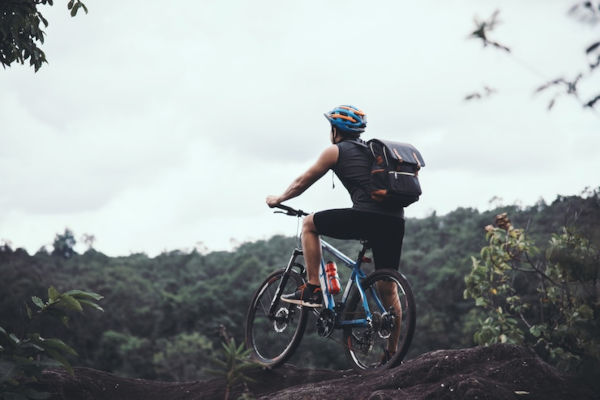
388	321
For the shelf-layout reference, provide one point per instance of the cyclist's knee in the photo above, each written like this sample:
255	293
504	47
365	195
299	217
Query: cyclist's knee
308	225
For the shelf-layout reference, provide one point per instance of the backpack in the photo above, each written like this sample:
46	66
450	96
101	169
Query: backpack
394	173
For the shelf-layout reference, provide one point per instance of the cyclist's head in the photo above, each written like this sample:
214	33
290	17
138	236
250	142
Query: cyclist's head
347	121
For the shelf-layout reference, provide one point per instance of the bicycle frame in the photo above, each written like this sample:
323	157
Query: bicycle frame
354	279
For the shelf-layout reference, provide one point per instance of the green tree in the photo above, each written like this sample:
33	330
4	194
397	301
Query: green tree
183	357
21	33
125	354
64	244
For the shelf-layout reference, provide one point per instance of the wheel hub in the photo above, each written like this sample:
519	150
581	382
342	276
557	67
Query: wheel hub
281	320
384	323
387	324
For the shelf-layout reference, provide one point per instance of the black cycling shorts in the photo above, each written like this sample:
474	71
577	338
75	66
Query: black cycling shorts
384	232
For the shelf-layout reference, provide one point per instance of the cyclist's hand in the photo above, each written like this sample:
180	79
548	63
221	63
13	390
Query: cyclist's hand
272	201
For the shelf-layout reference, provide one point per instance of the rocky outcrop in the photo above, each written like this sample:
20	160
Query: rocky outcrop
480	373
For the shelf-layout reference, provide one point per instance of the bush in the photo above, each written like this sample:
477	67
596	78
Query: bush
549	301
23	359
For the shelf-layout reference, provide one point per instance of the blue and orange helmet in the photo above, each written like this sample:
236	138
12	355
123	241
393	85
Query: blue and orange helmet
347	119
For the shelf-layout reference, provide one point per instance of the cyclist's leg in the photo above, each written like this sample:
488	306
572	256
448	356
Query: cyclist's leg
311	248
340	223
389	296
310	293
386	243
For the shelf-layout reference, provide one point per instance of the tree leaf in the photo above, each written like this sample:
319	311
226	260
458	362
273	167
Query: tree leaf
91	304
44	20
536	330
14	338
58	344
63	361
37	301
33	346
70	303
83	294
53	294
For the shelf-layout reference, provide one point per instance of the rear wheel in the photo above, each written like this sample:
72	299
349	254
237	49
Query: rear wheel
384	341
274	338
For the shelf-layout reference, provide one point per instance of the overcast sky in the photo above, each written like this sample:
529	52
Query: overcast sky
158	128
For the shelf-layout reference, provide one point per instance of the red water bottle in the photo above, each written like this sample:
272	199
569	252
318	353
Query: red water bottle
333	279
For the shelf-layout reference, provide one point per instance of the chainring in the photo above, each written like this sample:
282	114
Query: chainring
326	322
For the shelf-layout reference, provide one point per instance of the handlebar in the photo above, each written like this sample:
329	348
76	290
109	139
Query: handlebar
290	211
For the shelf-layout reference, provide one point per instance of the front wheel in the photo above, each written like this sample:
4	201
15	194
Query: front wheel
384	340
273	337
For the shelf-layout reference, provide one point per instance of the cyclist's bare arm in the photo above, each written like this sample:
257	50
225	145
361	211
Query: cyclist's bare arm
325	162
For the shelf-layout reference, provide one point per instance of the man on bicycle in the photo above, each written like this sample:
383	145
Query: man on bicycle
349	158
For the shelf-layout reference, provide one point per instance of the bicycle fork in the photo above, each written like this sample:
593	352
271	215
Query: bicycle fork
284	278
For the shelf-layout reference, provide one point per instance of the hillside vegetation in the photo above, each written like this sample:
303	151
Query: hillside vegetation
163	314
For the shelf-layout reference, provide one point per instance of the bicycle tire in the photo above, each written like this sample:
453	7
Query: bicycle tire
273	341
365	347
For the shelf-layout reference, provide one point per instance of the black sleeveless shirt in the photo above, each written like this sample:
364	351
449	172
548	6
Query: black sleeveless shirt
353	168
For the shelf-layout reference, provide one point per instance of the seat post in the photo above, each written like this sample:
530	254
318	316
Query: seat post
365	246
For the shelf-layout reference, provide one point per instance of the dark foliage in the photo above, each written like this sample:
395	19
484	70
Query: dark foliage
21	33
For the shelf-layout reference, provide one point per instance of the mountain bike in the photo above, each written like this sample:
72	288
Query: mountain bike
368	318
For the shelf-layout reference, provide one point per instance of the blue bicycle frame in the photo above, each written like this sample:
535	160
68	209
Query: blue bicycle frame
355	278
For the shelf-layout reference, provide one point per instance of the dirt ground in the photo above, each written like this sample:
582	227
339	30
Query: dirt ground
480	373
